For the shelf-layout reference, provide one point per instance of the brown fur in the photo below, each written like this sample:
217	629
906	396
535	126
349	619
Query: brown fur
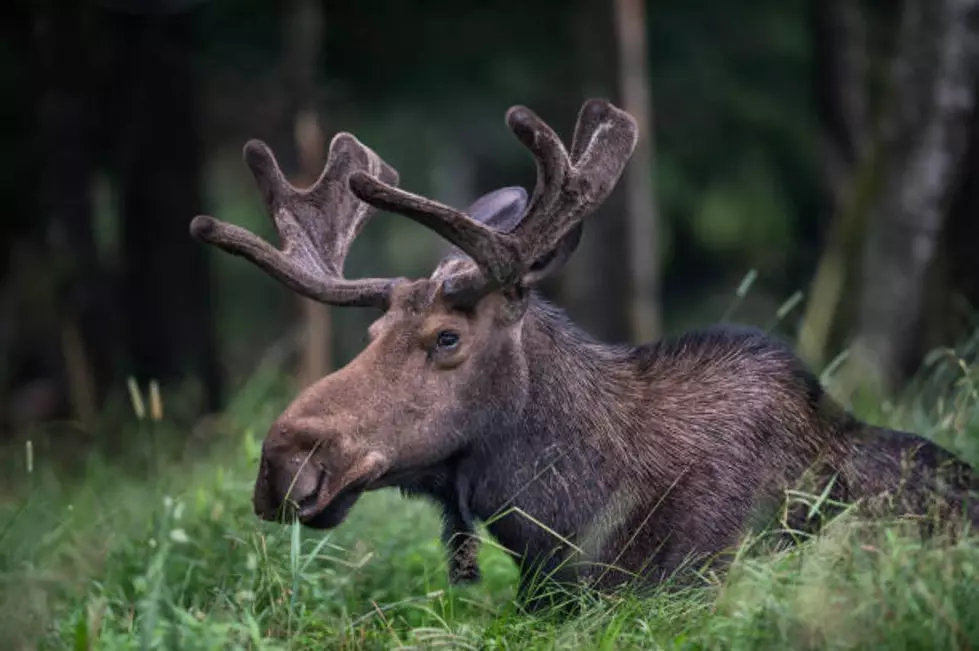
589	462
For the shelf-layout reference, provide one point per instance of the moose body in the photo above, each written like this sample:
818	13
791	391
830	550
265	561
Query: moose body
590	462
663	454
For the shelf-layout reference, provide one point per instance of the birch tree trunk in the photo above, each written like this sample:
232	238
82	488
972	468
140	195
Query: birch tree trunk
932	99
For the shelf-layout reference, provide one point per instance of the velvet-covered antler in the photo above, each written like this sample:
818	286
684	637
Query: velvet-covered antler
316	226
569	187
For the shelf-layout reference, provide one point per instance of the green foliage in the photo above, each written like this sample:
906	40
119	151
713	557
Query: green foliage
176	560
737	174
740	217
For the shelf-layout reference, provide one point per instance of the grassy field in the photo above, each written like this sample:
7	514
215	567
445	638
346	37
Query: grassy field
166	554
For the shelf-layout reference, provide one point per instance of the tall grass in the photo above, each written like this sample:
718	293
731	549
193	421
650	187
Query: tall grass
167	555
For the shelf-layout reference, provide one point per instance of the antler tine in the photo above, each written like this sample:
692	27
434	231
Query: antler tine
316	226
567	189
495	253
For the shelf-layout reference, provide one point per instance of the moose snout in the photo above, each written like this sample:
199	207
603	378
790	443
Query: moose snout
289	487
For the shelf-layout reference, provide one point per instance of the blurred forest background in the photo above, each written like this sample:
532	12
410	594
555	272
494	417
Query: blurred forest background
831	147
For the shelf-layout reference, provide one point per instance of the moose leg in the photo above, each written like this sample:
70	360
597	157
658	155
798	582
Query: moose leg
459	533
462	546
443	486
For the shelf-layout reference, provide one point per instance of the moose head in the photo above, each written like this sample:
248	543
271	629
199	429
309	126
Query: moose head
445	362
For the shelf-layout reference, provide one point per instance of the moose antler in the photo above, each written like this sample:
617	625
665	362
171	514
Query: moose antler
316	225
569	187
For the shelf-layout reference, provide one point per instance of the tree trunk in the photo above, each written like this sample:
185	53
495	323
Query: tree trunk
954	311
67	121
167	286
642	217
849	161
303	36
925	139
962	232
595	286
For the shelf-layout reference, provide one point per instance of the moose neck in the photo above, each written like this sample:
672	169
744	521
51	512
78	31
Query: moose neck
575	381
553	463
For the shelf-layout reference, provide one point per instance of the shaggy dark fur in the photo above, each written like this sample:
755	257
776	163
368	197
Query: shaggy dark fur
652	457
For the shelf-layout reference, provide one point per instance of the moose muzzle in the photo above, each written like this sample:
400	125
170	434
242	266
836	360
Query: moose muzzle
318	492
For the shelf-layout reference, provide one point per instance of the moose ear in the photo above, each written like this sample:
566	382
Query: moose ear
500	209
554	260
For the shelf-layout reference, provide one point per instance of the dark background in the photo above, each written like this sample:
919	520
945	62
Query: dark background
827	146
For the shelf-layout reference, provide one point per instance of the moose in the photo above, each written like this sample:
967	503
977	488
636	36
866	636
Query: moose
592	463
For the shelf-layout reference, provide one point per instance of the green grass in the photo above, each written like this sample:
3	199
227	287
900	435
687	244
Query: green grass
167	555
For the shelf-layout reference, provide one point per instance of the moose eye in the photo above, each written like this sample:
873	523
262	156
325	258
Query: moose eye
447	339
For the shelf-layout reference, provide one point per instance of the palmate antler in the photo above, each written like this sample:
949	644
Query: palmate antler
569	187
316	226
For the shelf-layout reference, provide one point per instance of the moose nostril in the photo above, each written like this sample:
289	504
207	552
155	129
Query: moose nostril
307	503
